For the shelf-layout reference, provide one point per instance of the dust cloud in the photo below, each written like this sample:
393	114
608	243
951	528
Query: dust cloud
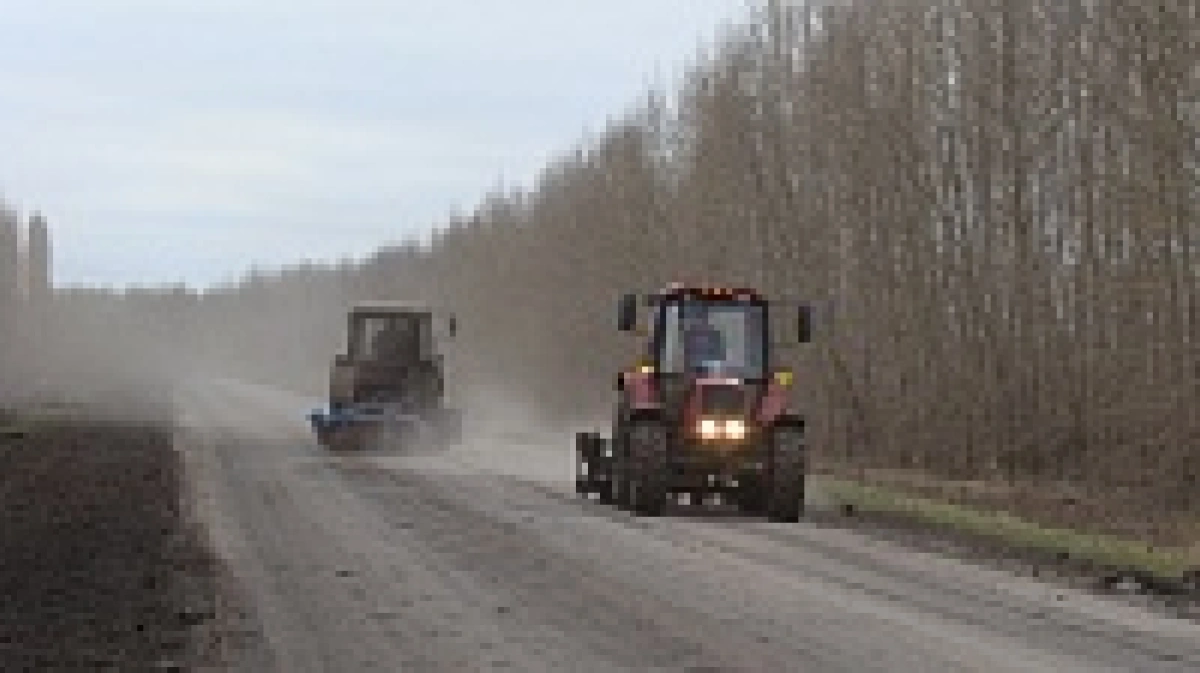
126	354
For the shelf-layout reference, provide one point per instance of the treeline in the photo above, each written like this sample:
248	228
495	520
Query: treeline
11	262
24	291
994	205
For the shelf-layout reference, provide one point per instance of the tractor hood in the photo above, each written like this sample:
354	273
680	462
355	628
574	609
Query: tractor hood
710	396
686	398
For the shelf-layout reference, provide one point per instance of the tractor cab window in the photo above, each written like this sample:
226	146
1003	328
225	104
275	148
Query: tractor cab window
392	338
719	338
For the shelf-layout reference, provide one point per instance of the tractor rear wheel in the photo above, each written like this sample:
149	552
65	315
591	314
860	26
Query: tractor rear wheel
649	442
787	474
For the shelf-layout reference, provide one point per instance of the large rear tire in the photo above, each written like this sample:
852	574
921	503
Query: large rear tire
788	471
649	442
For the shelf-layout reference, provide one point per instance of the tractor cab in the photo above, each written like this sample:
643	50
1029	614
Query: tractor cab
708	357
710	336
390	354
692	330
391	337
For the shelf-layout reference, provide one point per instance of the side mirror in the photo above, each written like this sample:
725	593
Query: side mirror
804	324
627	313
453	326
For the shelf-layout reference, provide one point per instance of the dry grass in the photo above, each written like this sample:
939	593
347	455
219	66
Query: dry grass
1052	523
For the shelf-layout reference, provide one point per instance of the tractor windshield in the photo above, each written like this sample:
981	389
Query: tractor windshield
719	338
394	338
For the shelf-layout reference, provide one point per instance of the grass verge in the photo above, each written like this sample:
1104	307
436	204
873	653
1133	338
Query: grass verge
1015	532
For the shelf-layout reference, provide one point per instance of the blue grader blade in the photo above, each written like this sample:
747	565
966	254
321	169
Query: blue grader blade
333	419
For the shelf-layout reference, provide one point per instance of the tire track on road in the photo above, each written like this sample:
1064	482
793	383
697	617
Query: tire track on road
979	597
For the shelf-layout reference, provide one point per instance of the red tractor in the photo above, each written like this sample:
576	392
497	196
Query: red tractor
702	412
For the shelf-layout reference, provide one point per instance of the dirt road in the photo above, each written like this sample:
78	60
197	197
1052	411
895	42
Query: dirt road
484	559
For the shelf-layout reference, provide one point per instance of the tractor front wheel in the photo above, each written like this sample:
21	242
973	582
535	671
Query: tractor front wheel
752	496
787	474
647	473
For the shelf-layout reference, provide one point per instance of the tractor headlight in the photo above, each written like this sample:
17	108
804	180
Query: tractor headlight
735	428
730	428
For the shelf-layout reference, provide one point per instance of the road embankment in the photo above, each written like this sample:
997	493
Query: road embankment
1048	531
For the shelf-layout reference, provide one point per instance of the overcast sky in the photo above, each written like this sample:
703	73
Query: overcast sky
181	140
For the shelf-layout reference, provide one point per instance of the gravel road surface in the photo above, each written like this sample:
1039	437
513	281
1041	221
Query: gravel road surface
483	558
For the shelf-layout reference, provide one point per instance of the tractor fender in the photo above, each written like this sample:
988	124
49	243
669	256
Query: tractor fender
790	421
774	404
627	415
645	415
640	391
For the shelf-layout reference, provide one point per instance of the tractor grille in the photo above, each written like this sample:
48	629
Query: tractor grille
723	400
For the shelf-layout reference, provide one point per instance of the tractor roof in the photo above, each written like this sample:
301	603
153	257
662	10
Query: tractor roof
709	292
391	306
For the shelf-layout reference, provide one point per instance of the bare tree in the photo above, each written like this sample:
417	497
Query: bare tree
999	199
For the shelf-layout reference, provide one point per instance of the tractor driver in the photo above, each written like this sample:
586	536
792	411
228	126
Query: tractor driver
394	343
701	341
